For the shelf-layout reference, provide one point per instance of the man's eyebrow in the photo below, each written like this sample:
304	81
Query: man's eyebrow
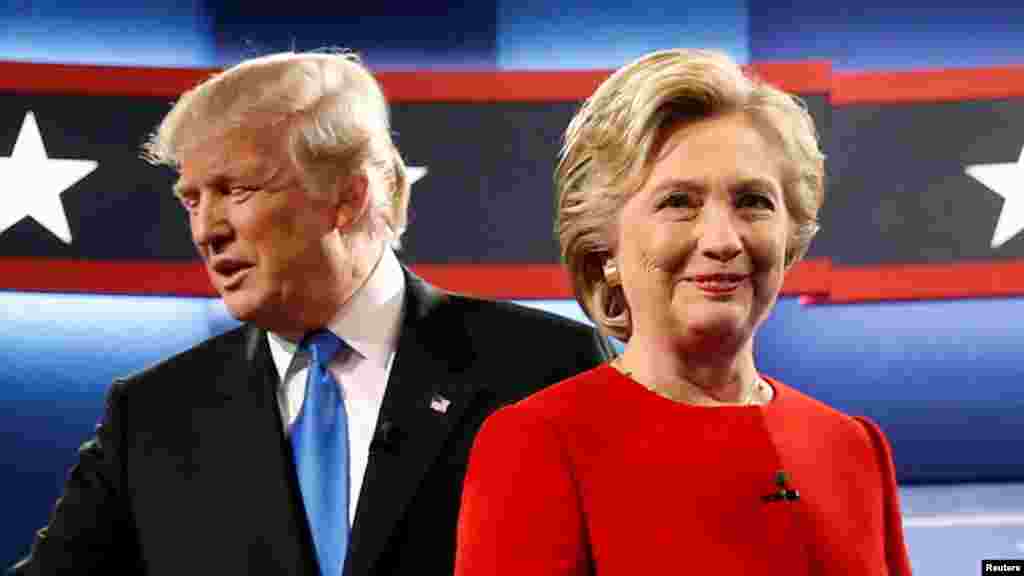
759	184
678	184
242	171
182	188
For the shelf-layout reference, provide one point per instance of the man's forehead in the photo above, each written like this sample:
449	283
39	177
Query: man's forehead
228	156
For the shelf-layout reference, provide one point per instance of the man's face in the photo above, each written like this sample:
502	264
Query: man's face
264	240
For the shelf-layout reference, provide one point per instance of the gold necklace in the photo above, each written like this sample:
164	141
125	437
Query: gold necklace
747	400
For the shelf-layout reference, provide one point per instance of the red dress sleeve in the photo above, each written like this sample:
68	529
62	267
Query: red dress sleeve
520	509
897	560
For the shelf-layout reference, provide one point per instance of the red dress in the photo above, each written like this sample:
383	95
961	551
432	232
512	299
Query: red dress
598	475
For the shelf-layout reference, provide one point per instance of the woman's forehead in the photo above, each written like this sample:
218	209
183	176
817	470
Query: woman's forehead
709	147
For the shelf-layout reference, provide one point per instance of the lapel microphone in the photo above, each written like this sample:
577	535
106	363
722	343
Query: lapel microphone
386	438
782	493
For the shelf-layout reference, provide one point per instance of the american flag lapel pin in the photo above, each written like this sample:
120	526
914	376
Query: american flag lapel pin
439	404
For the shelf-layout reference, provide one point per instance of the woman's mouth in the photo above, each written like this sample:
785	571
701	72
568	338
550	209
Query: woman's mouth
720	283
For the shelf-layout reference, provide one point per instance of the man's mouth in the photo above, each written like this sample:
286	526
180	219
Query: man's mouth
230	271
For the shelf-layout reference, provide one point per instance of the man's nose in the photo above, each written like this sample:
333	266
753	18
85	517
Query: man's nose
719	237
210	228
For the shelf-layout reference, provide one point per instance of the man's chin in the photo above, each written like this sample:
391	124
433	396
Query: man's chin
242	307
260	312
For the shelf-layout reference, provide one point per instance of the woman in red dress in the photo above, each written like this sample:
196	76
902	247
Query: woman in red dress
686	191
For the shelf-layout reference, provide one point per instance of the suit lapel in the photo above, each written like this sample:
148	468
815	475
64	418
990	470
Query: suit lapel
427	393
251	457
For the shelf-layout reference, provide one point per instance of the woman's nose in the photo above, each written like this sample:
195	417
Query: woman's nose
719	239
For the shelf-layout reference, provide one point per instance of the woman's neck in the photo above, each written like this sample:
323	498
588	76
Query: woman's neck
695	374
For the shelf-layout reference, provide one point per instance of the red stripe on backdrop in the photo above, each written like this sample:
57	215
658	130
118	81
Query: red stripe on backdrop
104	277
818	280
809	278
807	77
31	78
926	281
927	85
530	281
502	281
810	77
412	86
499	281
568	85
505	86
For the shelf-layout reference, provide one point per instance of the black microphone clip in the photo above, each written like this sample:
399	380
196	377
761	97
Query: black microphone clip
386	438
783	493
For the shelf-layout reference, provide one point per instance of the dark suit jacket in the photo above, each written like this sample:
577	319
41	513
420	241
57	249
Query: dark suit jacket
190	471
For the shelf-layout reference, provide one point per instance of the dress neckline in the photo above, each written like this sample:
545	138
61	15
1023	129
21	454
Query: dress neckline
640	390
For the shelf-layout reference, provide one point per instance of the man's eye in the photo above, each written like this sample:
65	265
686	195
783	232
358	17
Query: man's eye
188	203
241	192
756	201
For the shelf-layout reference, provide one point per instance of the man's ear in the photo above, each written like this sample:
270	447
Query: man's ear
353	200
791	259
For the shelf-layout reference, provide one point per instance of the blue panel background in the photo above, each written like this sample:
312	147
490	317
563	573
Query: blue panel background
941	378
389	34
58	355
609	33
853	34
882	34
152	33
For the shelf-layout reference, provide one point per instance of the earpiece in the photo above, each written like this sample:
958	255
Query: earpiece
611	273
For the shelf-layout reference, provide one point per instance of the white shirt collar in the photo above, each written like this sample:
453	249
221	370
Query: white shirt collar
369	322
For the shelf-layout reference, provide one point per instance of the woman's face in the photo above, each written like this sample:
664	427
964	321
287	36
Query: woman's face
701	246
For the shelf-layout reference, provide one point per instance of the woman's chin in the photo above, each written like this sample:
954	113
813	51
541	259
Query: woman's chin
716	330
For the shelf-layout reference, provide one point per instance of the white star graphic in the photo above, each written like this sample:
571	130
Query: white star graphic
33	182
415	173
1007	180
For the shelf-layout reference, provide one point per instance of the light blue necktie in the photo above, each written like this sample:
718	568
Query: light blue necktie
319	439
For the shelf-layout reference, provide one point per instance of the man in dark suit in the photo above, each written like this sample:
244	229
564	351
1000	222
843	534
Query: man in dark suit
296	197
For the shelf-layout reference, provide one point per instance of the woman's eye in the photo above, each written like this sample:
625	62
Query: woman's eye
676	200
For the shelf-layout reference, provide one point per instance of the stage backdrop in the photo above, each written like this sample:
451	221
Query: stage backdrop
903	310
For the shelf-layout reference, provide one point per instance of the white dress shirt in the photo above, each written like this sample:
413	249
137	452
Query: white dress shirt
369	323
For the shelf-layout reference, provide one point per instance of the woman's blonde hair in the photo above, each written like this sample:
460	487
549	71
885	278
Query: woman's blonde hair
328	110
608	151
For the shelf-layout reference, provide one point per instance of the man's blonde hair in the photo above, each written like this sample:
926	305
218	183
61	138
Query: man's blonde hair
609	148
328	110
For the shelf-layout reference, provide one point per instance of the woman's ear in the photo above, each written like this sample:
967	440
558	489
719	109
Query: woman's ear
792	251
790	257
611	272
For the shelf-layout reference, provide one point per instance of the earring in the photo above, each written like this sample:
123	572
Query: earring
611	273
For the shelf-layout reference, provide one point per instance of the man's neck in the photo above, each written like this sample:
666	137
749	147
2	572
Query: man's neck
354	263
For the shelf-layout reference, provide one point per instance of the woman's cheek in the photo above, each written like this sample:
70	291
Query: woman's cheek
668	254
